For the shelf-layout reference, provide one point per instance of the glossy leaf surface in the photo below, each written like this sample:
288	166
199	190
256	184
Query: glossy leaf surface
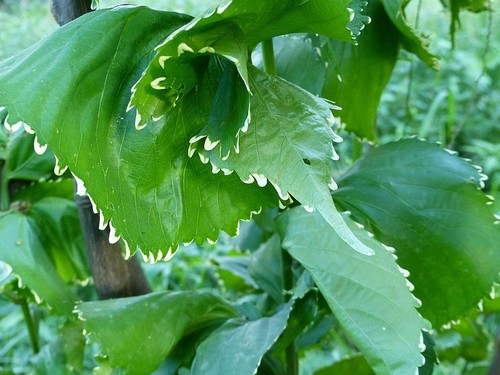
368	294
426	203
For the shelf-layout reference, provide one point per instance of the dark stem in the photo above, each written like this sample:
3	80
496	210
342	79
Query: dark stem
291	358
495	362
65	11
113	275
30	324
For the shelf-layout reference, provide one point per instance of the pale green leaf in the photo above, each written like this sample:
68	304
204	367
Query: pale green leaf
237	347
143	181
299	163
427	204
368	294
22	249
120	324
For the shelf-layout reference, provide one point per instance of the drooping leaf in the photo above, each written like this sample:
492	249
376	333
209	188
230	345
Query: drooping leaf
412	40
365	67
425	202
367	294
289	144
143	181
237	347
120	324
22	249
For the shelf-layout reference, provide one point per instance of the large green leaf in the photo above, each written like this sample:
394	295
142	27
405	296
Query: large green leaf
289	144
22	249
427	204
368	295
365	67
121	324
237	347
155	195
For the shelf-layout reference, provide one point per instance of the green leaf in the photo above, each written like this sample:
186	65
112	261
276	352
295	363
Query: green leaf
266	268
365	67
22	249
120	324
23	163
289	144
427	204
237	347
412	40
62	236
154	194
368	294
356	364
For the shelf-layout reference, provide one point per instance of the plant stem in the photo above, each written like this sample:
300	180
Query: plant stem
291	358
4	189
268	57
30	324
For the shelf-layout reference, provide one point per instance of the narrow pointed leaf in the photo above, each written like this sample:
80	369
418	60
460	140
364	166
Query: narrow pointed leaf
22	249
299	164
120	324
427	204
237	347
368	294
144	181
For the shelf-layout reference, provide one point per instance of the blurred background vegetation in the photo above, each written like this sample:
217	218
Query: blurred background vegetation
459	106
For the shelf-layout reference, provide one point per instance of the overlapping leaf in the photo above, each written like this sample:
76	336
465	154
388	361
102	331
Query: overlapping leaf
228	32
144	181
425	202
289	144
368	295
119	325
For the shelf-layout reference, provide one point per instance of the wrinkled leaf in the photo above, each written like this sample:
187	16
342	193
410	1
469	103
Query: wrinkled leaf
22	249
368	294
237	347
425	202
143	181
228	32
120	324
299	164
365	67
